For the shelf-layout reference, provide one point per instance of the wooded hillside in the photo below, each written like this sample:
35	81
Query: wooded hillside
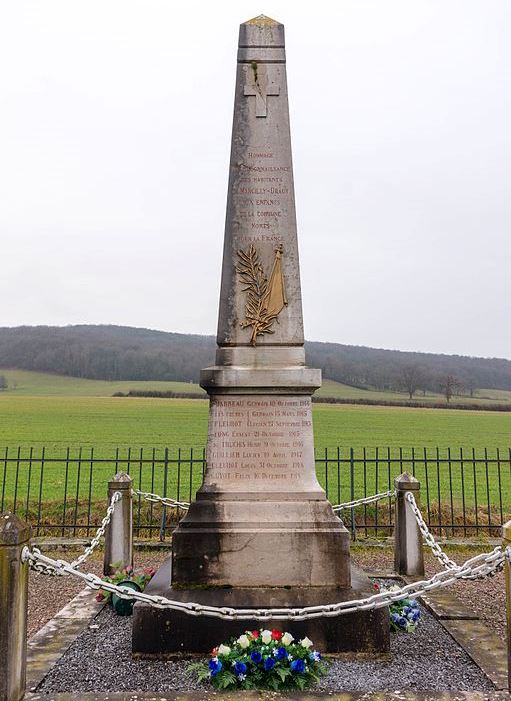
125	353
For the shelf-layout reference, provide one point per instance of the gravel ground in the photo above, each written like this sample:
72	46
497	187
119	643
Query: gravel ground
100	661
47	595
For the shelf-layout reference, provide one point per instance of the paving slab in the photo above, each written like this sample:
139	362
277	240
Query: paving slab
271	696
487	650
445	606
48	645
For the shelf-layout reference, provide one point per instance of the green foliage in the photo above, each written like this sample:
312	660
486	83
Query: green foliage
121	574
262	659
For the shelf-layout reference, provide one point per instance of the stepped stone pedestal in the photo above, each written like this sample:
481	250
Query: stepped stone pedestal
261	532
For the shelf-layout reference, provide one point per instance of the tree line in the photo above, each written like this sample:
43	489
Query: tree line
125	353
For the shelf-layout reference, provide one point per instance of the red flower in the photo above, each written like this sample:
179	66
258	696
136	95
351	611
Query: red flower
214	651
100	596
255	634
376	586
276	634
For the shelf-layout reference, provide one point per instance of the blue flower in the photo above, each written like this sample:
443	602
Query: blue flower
298	666
240	668
315	656
395	617
215	666
281	653
269	663
416	615
414	603
256	657
402	622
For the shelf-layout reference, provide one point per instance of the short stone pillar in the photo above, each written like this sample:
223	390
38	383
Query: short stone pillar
506	535
14	535
408	554
119	532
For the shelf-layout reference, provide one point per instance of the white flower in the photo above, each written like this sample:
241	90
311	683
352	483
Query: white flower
243	641
224	649
266	636
242	677
306	643
290	657
287	639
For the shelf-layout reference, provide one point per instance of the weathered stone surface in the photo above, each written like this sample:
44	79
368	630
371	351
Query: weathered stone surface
119	532
272	696
261	524
14	535
484	647
48	645
162	632
260	500
408	552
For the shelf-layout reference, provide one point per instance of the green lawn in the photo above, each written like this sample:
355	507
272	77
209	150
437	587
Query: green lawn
106	424
27	383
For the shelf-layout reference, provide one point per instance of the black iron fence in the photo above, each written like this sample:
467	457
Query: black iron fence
464	492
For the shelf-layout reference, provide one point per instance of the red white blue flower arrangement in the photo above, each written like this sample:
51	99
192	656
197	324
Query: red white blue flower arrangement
262	659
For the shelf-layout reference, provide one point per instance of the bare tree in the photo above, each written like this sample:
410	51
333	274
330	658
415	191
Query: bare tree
411	379
3	382
449	386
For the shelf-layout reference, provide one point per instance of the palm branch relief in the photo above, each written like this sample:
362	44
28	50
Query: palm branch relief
265	298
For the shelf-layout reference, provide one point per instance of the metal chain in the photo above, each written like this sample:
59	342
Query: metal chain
166	501
428	536
364	500
116	496
482	564
432	543
53	572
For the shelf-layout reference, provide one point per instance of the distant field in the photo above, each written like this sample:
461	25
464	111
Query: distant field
43	384
105	424
27	383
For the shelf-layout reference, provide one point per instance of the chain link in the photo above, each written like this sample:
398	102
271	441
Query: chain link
53	572
364	500
436	549
479	565
166	501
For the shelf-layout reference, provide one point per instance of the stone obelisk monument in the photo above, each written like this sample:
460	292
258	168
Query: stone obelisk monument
261	532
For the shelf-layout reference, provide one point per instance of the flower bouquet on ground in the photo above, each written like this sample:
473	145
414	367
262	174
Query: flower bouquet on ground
262	659
404	614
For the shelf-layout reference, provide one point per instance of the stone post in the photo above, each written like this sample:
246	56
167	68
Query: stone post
14	535
119	532
408	554
506	534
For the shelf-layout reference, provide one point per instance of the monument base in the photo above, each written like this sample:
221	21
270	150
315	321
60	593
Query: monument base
163	632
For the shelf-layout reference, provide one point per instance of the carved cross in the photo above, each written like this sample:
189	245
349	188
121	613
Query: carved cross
261	88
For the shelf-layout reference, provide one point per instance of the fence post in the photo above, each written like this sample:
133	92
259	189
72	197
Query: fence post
506	535
119	532
408	554
14	535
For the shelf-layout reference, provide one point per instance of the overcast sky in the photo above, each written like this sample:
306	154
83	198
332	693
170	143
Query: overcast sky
115	121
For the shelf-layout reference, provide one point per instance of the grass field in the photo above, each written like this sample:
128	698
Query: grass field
59	412
37	384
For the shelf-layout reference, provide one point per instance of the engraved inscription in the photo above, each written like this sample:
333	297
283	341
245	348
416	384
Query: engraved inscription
258	440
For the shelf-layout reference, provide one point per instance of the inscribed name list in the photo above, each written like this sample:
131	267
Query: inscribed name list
259	442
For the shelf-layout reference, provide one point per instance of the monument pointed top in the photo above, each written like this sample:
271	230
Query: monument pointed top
264	21
261	32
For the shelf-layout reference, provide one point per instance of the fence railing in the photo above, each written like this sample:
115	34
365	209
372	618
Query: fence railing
464	491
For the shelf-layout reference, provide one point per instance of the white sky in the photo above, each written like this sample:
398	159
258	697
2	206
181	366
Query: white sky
115	121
